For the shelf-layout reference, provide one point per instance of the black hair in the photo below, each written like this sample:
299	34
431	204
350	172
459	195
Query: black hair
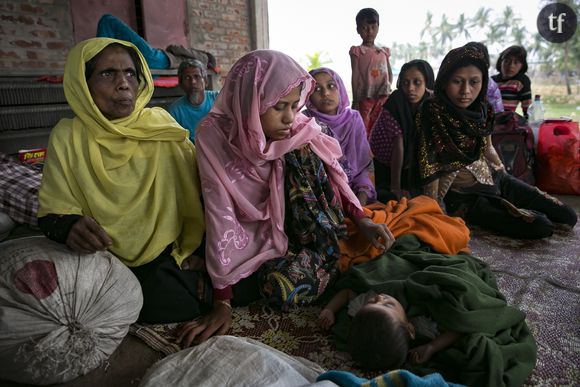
516	51
424	67
191	63
470	54
376	342
481	47
91	64
367	15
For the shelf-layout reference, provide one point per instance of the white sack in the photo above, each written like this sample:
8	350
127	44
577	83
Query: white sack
61	313
232	361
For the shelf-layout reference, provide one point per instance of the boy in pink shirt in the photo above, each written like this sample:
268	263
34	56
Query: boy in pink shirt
371	69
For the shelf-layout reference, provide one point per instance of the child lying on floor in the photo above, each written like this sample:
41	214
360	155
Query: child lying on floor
380	332
492	344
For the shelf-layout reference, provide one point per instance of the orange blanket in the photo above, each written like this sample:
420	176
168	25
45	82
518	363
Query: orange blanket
420	216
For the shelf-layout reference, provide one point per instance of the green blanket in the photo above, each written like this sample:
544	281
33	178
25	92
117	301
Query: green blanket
459	293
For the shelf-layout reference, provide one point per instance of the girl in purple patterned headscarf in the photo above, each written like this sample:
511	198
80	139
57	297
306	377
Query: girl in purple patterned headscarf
330	105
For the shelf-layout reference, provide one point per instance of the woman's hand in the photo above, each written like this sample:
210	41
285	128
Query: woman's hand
362	198
376	233
193	263
86	236
217	322
401	193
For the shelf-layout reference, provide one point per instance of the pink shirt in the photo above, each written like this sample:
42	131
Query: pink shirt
370	72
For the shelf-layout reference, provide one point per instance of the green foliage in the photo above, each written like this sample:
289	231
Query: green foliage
317	60
500	29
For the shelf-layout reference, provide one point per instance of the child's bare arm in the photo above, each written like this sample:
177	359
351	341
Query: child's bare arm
337	302
424	352
354	82
397	165
389	69
445	339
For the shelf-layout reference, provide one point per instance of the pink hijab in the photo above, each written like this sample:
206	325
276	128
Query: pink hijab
242	172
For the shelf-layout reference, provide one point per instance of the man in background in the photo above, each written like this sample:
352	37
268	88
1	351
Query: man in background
190	109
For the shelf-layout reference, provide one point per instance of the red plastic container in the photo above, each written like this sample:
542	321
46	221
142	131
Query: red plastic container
558	157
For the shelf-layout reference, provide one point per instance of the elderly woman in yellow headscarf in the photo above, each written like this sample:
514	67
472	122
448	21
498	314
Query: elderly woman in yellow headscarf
123	177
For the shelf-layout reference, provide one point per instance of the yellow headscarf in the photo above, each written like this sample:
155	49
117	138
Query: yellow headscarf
136	176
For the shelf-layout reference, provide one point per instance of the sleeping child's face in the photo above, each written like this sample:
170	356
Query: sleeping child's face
325	97
510	66
464	86
389	306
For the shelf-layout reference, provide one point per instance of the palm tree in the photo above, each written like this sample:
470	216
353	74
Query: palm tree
539	47
495	34
444	33
481	18
508	20
423	50
519	34
428	28
461	27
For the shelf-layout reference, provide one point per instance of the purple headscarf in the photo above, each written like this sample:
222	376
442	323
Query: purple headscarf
348	128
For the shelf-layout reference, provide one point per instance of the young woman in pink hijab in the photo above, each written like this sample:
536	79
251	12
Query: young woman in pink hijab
275	195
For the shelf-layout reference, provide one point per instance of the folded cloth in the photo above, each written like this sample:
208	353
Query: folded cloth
420	216
19	185
178	53
166	81
50	78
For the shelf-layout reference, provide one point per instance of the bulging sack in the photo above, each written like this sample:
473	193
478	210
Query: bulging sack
62	314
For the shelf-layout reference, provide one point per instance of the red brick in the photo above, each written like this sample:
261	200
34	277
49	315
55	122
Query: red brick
29	64
43	34
6	6
57	65
26	20
30	9
56	45
25	44
8	54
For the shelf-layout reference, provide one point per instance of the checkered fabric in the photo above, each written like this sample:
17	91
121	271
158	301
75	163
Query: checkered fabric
19	185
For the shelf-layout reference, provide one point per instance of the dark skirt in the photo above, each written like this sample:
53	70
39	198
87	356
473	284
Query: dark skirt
383	182
171	294
516	209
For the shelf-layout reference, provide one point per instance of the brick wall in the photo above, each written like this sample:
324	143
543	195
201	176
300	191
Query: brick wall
221	27
35	35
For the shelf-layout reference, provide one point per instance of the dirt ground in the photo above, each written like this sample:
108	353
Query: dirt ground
125	367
